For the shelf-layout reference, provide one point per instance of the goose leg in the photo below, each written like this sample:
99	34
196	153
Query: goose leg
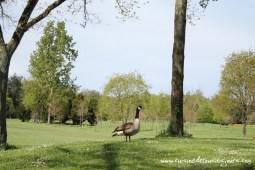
126	138
129	138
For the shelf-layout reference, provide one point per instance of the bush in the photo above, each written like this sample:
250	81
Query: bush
205	114
167	133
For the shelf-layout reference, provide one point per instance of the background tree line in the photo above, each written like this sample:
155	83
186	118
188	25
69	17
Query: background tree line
77	105
234	103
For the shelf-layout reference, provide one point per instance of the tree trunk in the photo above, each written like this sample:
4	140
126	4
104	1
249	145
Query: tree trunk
50	106
176	122
244	123
244	128
49	116
4	68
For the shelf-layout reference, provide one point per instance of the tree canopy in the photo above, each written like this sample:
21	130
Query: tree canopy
122	93
51	64
237	84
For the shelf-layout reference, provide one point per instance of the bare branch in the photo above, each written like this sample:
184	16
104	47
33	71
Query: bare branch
85	12
127	8
44	14
121	8
24	24
204	3
1	36
21	27
6	17
1	8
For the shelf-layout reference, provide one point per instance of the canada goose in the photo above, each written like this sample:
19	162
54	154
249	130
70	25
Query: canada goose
130	128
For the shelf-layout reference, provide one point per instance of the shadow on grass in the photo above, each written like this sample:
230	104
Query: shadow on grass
11	147
74	158
110	155
247	167
8	147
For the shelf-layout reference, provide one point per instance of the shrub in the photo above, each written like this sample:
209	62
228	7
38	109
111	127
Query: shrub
205	114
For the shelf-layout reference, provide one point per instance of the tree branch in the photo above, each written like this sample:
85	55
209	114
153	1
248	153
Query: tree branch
21	26
24	24
121	8
44	14
1	36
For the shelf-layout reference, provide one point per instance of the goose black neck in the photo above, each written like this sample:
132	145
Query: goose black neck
137	113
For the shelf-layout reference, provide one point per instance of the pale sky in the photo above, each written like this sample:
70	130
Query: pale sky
145	44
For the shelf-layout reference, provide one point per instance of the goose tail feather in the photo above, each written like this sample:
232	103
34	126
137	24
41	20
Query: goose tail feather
117	129
118	133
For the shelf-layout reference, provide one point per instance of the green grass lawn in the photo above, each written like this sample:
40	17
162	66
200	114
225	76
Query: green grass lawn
42	146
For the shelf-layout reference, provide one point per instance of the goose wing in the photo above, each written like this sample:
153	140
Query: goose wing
128	128
124	127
